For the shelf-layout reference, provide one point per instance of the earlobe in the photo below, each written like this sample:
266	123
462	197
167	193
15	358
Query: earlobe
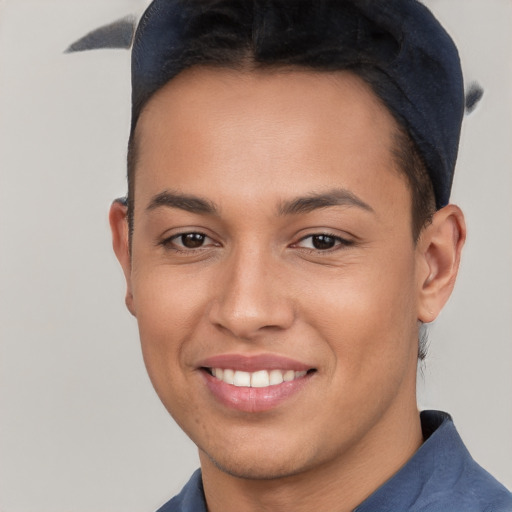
121	245
439	250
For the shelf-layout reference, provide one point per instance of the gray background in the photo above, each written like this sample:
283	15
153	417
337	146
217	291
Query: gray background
81	428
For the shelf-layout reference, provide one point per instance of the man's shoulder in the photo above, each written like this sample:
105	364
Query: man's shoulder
475	491
478	491
441	476
190	499
462	483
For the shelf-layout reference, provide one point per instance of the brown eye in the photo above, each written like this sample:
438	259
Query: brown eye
191	240
323	242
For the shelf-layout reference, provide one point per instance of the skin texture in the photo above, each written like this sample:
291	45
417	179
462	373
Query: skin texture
251	143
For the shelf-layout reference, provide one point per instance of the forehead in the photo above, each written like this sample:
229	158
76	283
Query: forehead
204	91
255	128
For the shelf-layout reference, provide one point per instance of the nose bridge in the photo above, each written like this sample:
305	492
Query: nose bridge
249	296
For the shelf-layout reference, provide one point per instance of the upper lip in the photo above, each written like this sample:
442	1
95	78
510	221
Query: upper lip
253	363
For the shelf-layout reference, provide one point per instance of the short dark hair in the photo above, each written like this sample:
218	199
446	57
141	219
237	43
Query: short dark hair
398	47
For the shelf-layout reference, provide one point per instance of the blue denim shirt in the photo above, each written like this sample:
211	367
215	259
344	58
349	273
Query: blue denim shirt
440	477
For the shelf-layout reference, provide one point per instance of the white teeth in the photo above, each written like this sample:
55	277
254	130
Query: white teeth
259	379
289	375
242	379
228	376
275	377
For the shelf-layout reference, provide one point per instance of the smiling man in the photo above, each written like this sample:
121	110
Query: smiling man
286	234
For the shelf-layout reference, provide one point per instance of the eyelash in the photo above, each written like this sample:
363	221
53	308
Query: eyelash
339	242
171	242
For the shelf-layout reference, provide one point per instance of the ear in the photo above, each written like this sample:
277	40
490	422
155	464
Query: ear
118	218
439	251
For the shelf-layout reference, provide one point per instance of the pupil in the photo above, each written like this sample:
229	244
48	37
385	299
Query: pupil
192	240
323	242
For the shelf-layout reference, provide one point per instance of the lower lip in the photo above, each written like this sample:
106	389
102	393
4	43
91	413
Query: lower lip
253	399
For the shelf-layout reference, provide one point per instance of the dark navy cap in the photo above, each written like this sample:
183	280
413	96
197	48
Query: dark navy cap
417	63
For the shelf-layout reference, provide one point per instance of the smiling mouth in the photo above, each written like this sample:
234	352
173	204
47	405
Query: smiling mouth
258	379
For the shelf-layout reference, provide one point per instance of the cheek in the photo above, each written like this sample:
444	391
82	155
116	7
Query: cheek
367	314
166	296
168	310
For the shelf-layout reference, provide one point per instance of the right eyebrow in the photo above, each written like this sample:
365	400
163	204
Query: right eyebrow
189	203
315	201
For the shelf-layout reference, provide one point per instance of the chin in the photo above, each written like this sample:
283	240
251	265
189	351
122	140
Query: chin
257	464
256	471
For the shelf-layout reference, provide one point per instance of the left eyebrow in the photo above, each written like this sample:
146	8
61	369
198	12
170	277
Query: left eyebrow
189	203
335	197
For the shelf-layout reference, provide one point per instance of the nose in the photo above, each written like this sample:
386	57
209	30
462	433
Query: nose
251	296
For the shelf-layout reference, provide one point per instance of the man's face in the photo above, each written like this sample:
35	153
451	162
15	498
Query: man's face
272	238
